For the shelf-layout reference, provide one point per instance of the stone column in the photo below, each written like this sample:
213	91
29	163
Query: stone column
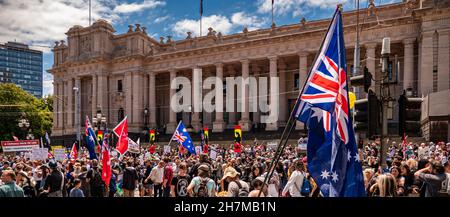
245	122
273	72
443	60
195	121
70	103
371	64
94	96
138	107
219	124
408	68
152	100
172	115
426	65
282	116
129	97
102	92
256	71
303	75
232	114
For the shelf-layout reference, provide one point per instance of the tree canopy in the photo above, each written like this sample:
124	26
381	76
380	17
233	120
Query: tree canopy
15	103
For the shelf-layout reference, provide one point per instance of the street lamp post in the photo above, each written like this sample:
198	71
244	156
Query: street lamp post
146	121
77	109
24	125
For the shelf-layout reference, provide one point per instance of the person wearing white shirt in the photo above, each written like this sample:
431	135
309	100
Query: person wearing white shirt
294	185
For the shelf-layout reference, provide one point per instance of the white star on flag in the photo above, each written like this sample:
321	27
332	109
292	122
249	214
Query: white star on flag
335	176
184	130
317	112
349	156
325	174
357	157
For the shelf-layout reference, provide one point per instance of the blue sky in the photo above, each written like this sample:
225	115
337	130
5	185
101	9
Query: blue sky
42	22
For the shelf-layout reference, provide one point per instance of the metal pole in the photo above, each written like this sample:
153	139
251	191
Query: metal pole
356	59
384	101
89	12
78	109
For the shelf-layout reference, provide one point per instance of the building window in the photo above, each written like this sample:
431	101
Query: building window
119	86
296	81
121	115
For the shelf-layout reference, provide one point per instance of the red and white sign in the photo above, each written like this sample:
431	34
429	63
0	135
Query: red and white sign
21	145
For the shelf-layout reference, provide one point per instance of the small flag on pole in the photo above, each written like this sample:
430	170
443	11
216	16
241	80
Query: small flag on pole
121	130
182	137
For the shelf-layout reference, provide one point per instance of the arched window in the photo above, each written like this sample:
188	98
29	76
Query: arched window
121	115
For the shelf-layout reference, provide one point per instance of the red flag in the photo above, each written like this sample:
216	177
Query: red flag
205	148
121	131
404	145
73	152
106	162
152	149
237	147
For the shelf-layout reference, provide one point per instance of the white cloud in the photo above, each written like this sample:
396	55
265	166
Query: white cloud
161	19
296	7
242	19
218	22
135	7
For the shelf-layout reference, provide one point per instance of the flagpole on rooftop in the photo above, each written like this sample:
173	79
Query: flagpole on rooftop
272	11
89	12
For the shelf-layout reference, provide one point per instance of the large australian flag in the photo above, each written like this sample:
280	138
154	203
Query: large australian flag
181	135
333	159
91	139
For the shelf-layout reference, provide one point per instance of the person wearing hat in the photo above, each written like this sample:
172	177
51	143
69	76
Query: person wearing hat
257	185
236	187
202	185
54	182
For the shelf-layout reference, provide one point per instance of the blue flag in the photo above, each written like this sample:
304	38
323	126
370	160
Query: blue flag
182	137
90	139
323	105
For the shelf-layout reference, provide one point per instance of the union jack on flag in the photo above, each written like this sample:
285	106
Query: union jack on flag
333	158
182	137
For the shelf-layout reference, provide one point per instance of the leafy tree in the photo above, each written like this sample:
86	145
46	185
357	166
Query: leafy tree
15	103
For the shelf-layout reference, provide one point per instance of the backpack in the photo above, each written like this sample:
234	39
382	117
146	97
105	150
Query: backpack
203	189
97	179
242	191
306	187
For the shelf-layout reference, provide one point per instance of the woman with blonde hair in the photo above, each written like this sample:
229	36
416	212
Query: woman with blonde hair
386	186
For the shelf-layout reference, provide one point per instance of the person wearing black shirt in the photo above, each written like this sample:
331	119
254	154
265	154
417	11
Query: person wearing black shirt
130	179
96	183
54	181
180	182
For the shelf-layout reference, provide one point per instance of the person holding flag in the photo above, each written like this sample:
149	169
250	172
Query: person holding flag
90	139
333	160
73	152
182	137
106	162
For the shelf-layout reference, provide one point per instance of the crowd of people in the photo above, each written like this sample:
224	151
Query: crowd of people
412	170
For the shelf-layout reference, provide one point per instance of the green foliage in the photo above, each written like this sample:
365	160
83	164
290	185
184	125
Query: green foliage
15	103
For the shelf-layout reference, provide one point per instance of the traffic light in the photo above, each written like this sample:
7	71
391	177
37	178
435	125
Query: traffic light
409	115
367	79
367	115
364	80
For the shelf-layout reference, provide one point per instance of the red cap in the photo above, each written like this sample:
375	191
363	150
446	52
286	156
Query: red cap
305	159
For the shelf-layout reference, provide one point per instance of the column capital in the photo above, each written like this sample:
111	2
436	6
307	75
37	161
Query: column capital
370	45
272	58
409	41
303	53
101	73
443	31
428	34
245	61
151	73
173	70
219	64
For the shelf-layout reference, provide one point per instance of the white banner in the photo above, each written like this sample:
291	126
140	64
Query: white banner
198	150
213	154
21	145
166	149
39	154
59	154
133	147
